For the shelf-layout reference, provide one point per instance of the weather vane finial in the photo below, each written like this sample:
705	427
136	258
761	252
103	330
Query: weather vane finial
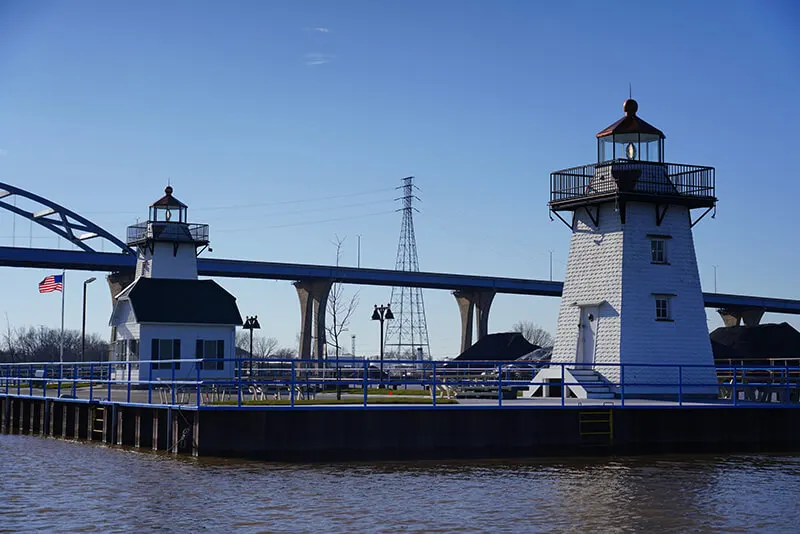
630	90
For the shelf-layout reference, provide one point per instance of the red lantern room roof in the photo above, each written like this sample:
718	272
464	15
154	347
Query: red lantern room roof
630	123
168	201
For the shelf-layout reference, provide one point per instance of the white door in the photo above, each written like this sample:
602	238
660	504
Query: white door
587	330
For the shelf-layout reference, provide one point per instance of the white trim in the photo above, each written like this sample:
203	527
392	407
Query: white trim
114	312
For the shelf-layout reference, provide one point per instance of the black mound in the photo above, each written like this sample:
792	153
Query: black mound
759	342
504	346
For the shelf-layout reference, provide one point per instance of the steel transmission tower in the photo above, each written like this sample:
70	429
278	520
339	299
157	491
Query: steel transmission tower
408	332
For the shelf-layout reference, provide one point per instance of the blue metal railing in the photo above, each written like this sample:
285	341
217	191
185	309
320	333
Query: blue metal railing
276	383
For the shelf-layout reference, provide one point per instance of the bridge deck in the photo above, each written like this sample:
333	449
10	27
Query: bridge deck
111	262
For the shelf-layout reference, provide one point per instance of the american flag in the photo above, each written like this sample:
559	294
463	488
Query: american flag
54	282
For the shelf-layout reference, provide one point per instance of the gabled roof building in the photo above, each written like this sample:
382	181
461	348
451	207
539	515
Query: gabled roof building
167	315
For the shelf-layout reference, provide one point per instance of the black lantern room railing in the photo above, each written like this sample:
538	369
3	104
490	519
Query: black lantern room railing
676	183
167	231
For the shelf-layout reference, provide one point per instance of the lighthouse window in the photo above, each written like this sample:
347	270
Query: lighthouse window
658	251
212	353
662	308
166	349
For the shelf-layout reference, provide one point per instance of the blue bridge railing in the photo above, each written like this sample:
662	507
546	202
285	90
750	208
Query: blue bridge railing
289	383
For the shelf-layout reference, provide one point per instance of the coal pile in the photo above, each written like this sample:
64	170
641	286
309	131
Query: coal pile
755	343
504	346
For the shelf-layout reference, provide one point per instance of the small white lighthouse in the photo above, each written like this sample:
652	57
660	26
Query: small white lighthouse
167	244
632	291
167	313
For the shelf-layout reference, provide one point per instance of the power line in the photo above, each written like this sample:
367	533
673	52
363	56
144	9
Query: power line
299	201
326	208
305	223
259	204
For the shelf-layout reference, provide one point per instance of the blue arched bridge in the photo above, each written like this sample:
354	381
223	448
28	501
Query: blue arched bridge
474	293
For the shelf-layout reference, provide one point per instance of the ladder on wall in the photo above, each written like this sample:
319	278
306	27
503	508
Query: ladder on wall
596	427
99	420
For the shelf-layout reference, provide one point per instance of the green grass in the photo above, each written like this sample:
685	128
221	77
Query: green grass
384	391
382	400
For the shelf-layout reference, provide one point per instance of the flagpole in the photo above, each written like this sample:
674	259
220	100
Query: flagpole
63	289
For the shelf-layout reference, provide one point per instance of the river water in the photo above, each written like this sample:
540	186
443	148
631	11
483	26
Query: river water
52	485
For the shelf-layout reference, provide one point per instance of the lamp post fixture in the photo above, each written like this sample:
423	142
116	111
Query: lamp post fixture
83	321
382	313
251	324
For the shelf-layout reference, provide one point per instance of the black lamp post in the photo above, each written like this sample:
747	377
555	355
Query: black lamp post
83	321
251	324
382	313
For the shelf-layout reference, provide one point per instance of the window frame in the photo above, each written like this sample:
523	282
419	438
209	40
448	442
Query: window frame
666	298
155	353
654	251
201	354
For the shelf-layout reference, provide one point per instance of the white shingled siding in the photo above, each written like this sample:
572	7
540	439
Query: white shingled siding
594	274
167	263
612	263
685	339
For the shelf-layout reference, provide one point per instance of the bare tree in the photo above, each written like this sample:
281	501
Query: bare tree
42	345
340	308
263	347
285	352
243	340
533	333
7	352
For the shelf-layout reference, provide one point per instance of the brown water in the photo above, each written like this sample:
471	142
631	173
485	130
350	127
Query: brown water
52	485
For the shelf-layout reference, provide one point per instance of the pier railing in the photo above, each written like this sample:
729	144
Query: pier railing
290	383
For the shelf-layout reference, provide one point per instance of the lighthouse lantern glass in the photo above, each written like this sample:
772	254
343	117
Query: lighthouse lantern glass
168	214
632	146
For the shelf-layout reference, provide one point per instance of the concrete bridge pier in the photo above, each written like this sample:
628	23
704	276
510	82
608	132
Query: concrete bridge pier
474	306
734	316
116	283
313	295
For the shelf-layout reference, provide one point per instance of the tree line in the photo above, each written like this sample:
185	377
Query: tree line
263	347
42	344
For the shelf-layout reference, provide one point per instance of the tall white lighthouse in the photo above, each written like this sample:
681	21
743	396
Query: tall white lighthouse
632	291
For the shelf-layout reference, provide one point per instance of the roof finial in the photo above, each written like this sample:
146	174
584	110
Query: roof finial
630	91
630	107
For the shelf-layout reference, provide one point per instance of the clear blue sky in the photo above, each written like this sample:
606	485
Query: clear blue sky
282	124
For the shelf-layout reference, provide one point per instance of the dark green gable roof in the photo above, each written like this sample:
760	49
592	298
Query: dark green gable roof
169	300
